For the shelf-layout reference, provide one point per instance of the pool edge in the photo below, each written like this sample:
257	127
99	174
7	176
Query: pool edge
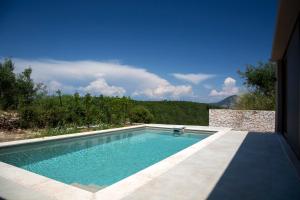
129	184
58	190
66	136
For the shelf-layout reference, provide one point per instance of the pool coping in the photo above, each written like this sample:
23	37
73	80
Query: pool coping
118	190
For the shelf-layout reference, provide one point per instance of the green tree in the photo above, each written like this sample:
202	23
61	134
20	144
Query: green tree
88	106
26	89
140	114
16	90
58	92
260	81
41	90
261	78
7	85
77	111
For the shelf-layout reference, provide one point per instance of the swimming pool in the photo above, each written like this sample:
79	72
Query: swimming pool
101	159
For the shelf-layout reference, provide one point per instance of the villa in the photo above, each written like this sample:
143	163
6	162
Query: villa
286	49
157	161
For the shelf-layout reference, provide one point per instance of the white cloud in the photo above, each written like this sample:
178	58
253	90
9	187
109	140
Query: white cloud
100	86
108	78
193	78
229	88
163	90
54	85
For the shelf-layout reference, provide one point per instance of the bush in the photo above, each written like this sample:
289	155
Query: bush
260	81
255	101
56	117
140	114
29	117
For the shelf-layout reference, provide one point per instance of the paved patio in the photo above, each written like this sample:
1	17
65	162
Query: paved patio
238	165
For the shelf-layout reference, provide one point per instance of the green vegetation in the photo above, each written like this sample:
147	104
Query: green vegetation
255	101
70	130
260	81
178	112
15	90
140	114
75	110
64	113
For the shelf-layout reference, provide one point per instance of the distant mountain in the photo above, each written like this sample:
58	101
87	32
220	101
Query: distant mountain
228	102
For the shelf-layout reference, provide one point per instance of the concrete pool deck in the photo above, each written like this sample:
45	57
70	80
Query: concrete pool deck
233	165
239	165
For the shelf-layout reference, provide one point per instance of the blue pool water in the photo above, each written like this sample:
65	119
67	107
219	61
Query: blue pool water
99	159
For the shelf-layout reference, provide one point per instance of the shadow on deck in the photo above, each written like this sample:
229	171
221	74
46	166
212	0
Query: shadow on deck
260	169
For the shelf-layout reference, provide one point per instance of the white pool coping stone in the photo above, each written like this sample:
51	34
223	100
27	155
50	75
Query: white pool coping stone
36	183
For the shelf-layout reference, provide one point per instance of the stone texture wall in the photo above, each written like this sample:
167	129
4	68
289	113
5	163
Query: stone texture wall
9	120
246	120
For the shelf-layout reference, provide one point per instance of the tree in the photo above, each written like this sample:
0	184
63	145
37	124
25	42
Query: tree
58	92
88	104
26	89
41	90
7	85
260	81
140	114
261	78
16	90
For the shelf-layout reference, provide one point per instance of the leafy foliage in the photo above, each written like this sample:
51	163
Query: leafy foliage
178	112
7	84
16	90
140	114
255	101
260	81
261	78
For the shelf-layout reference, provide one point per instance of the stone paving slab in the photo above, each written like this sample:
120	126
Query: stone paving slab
11	190
239	165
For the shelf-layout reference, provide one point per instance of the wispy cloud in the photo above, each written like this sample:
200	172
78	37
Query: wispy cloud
108	78
193	78
229	88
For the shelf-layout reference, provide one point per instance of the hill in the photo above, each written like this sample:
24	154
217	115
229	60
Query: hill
228	102
178	112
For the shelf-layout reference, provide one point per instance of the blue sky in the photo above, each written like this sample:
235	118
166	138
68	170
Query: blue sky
187	50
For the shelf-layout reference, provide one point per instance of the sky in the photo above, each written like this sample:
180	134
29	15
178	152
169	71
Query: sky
146	49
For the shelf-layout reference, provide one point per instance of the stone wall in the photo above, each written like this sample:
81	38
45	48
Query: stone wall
9	120
246	120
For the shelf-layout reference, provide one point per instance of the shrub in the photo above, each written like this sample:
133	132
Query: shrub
56	117
255	101
260	82
140	114
29	117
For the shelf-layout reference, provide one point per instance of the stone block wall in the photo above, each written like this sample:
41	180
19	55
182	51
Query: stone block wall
9	120
245	120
